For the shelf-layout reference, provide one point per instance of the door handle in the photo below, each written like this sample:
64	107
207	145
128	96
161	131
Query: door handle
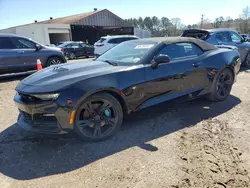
20	52
196	65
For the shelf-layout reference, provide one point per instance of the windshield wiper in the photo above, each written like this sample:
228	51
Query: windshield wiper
111	63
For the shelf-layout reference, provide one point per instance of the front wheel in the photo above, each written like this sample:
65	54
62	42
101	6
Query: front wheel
222	85
71	56
98	117
247	61
54	61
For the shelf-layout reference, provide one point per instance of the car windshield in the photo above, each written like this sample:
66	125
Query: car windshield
130	52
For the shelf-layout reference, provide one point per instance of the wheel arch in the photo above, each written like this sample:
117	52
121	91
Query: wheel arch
245	58
116	93
54	55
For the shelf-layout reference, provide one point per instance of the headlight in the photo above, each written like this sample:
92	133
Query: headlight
47	96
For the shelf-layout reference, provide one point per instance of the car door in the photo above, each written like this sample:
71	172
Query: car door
185	74
238	41
88	50
224	38
27	54
8	56
77	49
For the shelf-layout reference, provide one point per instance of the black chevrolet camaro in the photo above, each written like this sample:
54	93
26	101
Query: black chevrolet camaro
92	98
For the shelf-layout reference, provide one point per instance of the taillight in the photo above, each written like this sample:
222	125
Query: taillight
62	49
99	45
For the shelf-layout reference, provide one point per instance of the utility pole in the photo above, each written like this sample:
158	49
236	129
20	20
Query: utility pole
202	20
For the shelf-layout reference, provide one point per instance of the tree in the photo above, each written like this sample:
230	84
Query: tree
229	21
155	22
141	23
165	23
176	22
148	23
245	17
218	22
159	26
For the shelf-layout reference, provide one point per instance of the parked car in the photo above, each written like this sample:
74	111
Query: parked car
59	43
19	54
108	42
246	37
223	37
91	98
73	50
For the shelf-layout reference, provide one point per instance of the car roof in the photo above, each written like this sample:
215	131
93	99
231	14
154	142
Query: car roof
11	35
219	30
171	40
118	36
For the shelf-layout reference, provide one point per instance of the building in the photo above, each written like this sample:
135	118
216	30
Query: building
88	27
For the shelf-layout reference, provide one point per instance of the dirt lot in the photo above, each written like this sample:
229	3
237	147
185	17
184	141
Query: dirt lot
196	144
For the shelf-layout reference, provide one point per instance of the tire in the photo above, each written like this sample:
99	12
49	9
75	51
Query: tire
222	85
71	56
99	117
247	61
54	61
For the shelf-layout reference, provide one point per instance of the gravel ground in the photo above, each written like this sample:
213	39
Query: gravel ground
196	144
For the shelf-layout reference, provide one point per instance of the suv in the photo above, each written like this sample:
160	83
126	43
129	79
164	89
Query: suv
225	37
108	42
19	54
73	50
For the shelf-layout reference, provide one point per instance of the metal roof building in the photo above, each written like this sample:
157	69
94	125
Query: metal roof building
88	27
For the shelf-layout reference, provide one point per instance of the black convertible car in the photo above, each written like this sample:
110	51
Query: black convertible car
92	98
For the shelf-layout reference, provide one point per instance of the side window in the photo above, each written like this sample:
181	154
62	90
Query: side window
223	37
235	37
181	50
113	41
75	45
21	43
69	46
5	43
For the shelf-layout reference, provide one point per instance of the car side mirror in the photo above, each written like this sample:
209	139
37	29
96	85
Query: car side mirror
38	47
161	58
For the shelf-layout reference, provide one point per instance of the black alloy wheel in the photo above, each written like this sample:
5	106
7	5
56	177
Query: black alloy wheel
99	117
54	61
222	86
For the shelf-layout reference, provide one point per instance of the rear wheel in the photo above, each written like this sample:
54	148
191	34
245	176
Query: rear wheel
222	85
98	117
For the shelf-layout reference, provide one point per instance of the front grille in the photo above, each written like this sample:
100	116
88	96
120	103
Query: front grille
39	121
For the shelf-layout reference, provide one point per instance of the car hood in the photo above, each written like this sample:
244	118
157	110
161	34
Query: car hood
245	45
58	77
52	48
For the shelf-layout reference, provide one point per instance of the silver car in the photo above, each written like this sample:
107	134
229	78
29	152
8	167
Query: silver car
223	37
19	54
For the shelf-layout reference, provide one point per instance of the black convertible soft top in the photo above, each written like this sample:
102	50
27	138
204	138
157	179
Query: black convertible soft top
170	40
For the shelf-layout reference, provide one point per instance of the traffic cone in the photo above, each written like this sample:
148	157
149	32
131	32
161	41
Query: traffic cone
38	65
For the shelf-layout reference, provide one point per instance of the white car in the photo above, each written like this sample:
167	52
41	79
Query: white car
108	42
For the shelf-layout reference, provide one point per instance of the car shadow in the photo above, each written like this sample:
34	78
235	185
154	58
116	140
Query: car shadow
25	156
